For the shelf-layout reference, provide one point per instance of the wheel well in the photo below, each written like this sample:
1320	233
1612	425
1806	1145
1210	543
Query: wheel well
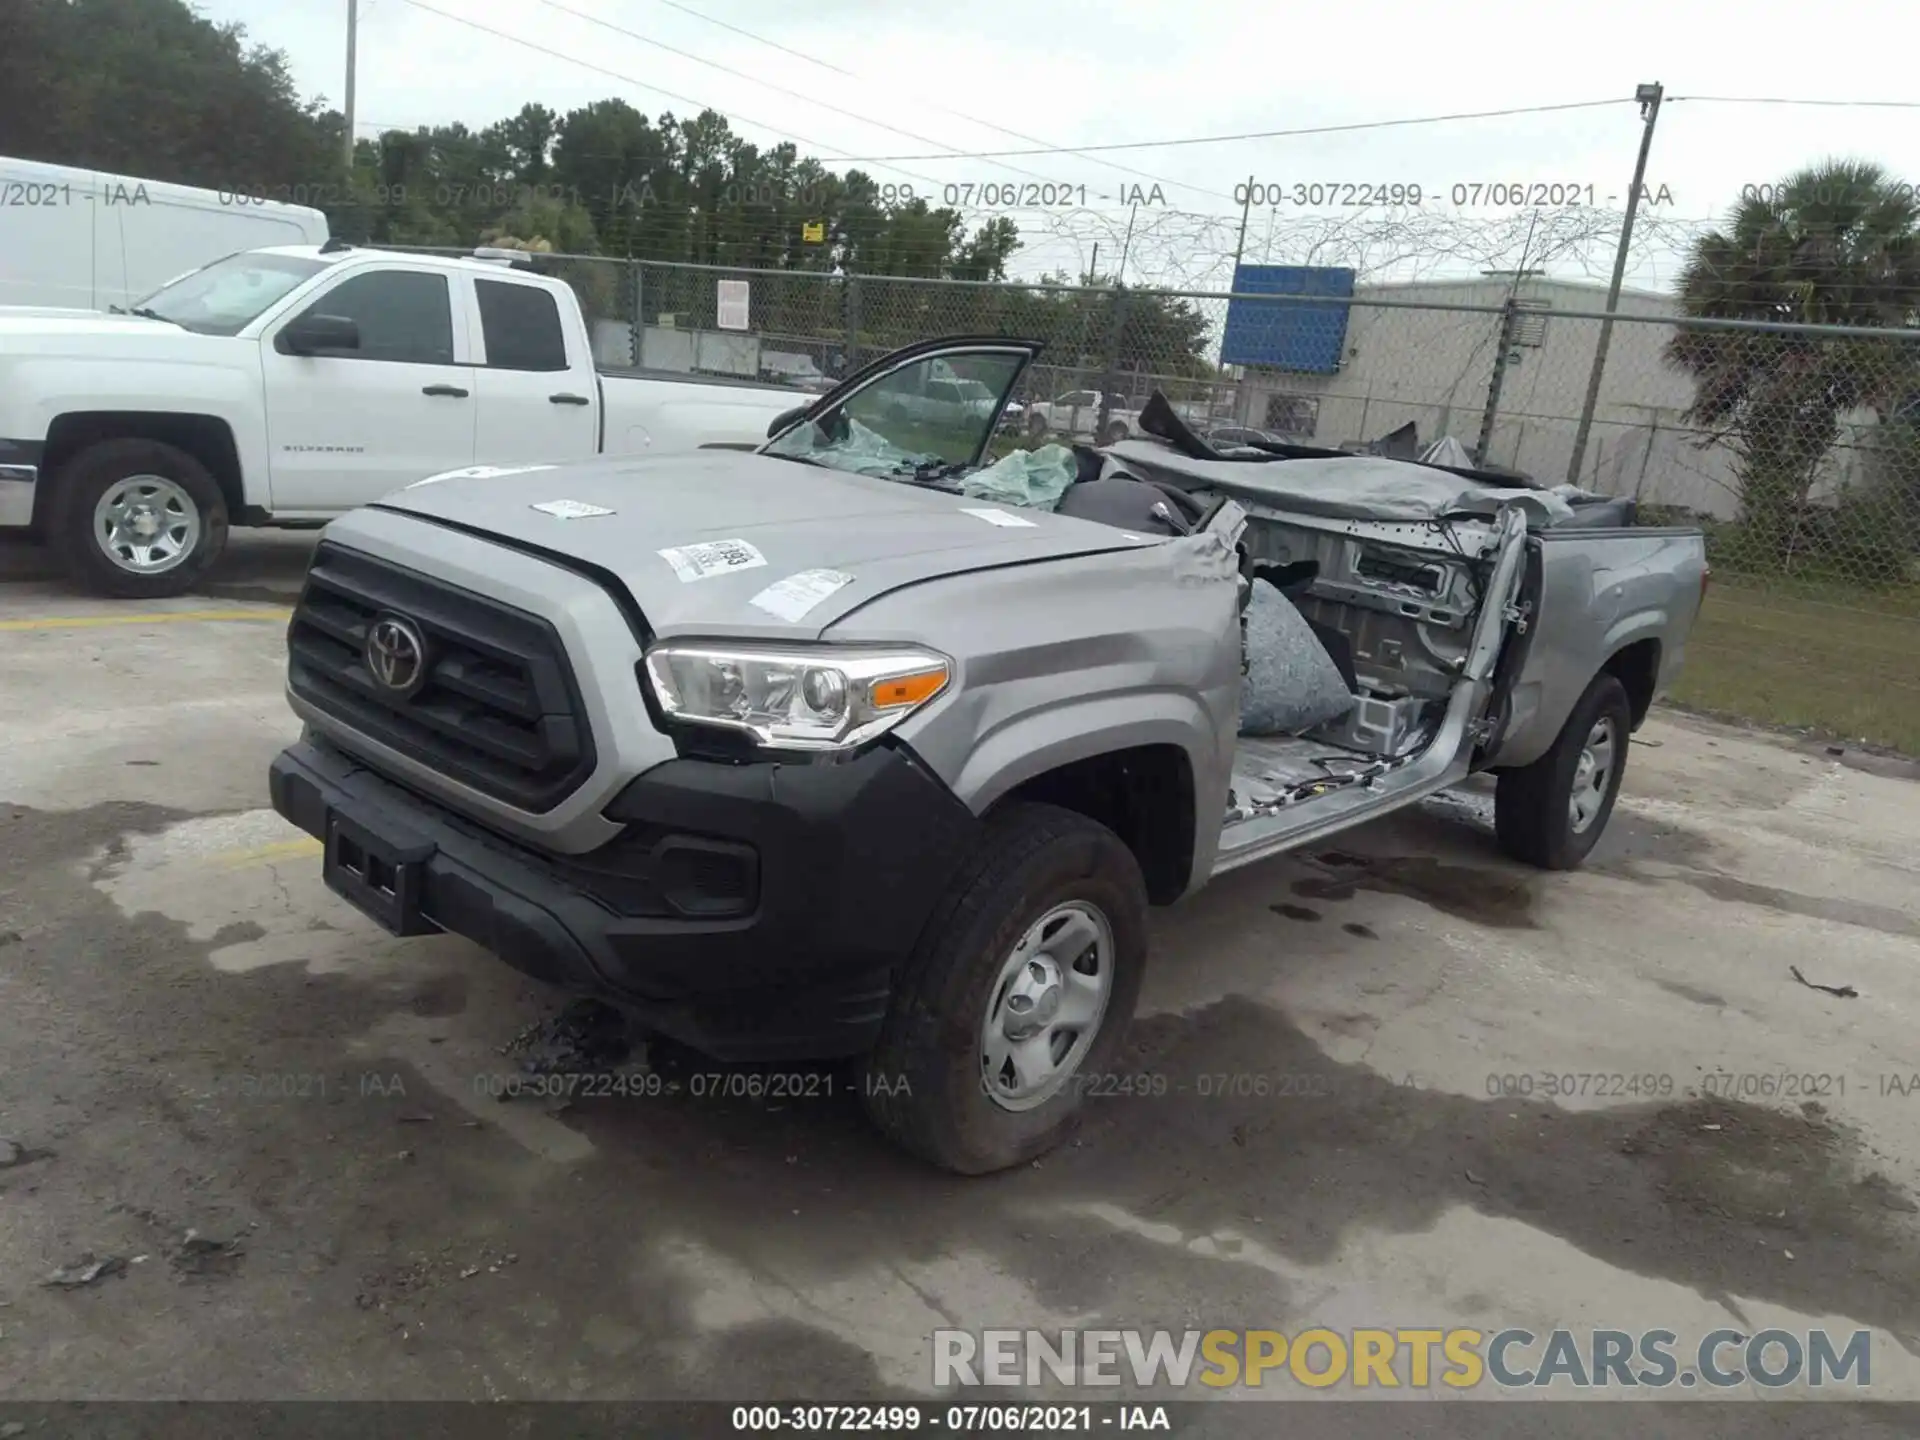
1637	667
1144	795
205	437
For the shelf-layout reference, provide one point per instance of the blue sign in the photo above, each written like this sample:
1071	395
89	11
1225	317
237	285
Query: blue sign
1292	335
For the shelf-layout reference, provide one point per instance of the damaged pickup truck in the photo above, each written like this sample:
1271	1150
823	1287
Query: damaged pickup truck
858	746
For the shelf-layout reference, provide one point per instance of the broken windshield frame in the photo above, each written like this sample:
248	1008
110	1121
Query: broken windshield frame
925	415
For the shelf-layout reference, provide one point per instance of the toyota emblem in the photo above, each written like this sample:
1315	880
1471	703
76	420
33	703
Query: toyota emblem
396	654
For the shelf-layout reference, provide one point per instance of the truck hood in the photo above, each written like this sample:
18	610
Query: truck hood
787	519
29	330
50	312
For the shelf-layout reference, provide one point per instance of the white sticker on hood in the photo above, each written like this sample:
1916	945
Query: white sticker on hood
793	597
570	509
479	472
995	517
710	558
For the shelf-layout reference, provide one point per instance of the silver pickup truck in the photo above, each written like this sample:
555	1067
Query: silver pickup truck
836	749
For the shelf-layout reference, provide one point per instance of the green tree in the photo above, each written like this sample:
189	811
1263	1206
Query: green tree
1834	244
151	89
602	179
984	254
522	146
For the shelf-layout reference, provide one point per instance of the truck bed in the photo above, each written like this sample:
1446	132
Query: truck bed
654	411
689	377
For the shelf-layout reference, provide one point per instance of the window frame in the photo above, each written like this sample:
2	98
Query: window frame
873	376
314	304
486	344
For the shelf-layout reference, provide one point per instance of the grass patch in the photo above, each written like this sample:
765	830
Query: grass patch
1844	662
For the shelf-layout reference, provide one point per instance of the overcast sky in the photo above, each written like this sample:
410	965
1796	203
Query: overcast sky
1061	74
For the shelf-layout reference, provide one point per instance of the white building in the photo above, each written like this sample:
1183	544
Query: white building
1404	360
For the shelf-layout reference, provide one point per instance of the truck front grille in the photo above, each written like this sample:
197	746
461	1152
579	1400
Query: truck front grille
492	703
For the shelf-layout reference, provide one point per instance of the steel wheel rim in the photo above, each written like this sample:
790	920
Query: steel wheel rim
146	524
1591	775
1045	1009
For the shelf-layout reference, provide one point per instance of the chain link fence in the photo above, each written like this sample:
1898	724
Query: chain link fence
1795	448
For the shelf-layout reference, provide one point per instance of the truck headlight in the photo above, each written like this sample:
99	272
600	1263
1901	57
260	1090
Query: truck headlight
824	697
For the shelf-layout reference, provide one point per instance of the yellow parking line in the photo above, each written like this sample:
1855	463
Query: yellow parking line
267	854
88	622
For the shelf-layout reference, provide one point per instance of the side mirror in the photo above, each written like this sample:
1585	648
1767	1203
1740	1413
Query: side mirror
311	333
784	419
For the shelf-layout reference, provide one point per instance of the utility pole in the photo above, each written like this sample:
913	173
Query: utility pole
1120	276
353	27
1240	245
1503	357
1649	97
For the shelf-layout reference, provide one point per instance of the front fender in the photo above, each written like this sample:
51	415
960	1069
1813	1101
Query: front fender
60	386
1040	741
57	389
1068	659
1043	740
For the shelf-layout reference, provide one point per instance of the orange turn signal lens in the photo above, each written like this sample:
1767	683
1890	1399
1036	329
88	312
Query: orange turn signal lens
894	691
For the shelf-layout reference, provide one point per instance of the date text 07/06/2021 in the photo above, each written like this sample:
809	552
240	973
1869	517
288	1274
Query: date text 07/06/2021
1461	194
828	1083
960	1419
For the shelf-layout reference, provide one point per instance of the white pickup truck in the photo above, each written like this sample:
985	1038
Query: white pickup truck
1080	413
1108	419
284	386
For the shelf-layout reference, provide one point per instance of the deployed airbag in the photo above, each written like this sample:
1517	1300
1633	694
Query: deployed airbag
1291	682
1033	479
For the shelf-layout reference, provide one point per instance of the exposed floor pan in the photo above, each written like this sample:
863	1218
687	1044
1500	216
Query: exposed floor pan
1273	762
1276	773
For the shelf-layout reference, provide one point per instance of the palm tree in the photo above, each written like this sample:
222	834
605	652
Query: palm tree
1834	244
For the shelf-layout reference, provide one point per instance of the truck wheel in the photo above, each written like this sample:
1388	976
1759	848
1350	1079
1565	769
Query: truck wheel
1114	433
1551	813
1036	425
1022	986
137	519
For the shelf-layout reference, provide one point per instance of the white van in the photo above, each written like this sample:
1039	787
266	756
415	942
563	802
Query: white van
81	240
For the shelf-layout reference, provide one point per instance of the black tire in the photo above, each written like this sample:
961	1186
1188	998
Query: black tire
925	1086
1114	433
1036	425
1533	806
89	475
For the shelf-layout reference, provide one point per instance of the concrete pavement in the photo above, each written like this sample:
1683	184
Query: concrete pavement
1490	1097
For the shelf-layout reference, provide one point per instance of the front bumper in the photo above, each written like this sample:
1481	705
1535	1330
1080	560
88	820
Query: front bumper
751	911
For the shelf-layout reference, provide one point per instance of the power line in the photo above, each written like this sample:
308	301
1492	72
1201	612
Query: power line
1251	134
960	114
1778	100
656	89
800	95
761	39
